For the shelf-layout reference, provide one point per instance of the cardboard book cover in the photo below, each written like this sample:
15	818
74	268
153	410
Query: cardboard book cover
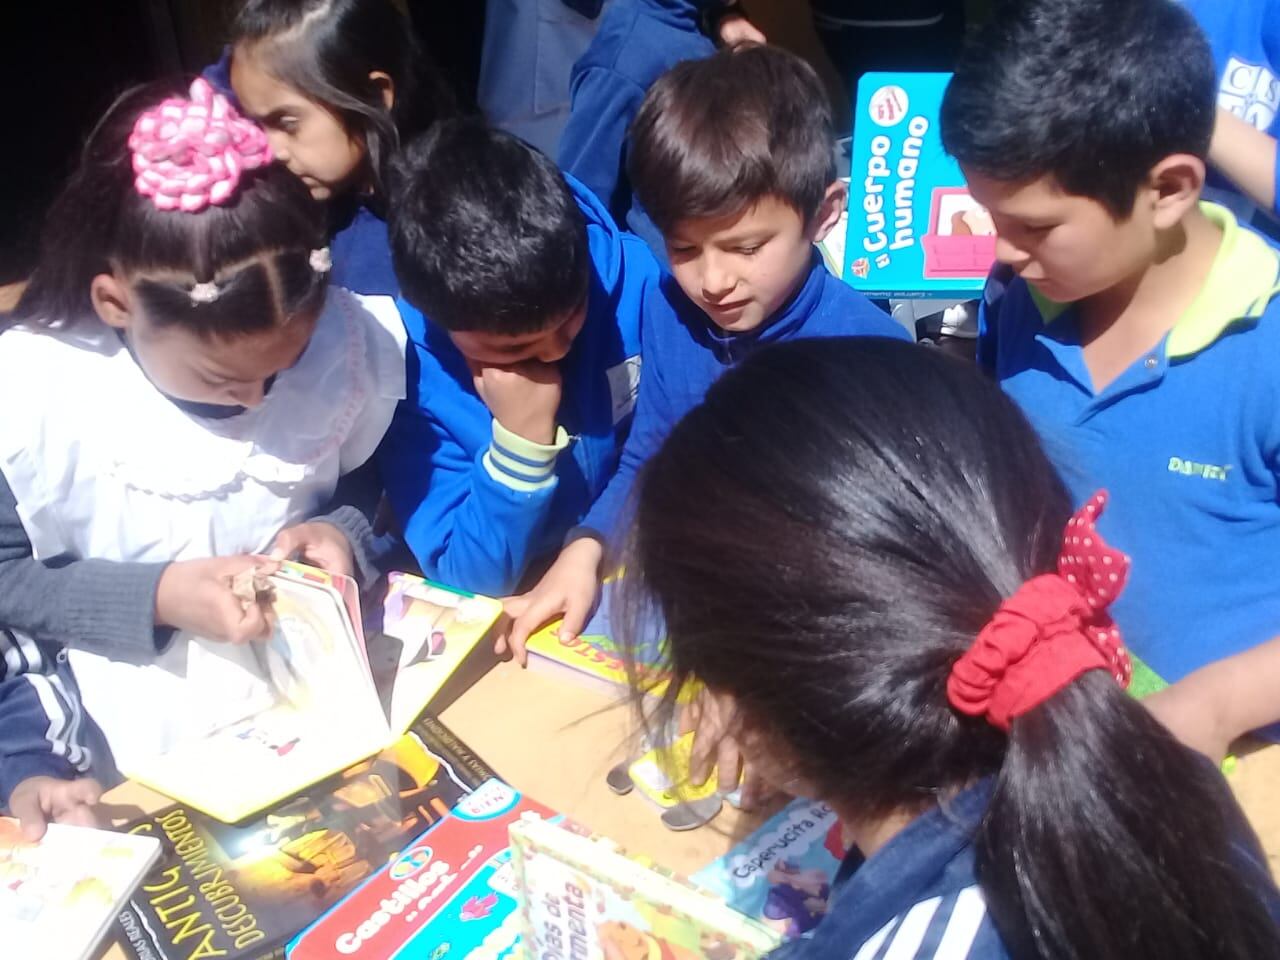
582	898
450	894
914	231
241	891
59	896
782	873
595	657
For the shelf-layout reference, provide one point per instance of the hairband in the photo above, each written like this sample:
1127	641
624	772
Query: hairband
320	259
1051	631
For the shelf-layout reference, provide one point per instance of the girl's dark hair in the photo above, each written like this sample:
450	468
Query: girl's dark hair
824	536
326	49
256	247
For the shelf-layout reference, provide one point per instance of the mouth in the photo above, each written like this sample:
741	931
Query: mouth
723	309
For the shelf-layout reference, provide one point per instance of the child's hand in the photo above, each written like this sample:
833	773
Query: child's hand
718	749
39	801
318	543
196	595
524	397
568	589
735	30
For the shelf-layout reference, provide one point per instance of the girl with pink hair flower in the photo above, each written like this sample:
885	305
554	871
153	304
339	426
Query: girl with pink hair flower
182	391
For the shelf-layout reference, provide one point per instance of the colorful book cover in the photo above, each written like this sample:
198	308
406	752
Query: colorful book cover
59	896
595	657
782	873
914	231
240	892
317	657
450	894
581	898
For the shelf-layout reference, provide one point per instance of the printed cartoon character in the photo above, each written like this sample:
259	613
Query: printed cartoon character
264	737
621	941
797	899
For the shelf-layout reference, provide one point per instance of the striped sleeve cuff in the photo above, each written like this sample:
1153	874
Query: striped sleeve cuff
521	464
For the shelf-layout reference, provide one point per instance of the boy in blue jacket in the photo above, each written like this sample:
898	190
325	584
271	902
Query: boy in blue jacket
1141	330
732	156
638	41
522	303
1245	38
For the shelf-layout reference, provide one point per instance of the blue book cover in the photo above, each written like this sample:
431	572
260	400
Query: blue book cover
782	873
914	231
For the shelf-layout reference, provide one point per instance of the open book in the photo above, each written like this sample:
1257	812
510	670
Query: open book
58	896
330	699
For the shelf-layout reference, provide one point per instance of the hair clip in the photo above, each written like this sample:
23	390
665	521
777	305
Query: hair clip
321	260
204	292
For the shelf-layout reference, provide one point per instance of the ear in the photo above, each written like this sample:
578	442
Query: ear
112	301
830	210
1174	187
385	86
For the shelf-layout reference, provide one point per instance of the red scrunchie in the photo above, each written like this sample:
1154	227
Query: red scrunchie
1051	631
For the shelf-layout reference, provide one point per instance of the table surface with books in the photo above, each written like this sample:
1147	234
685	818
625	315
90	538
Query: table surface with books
556	740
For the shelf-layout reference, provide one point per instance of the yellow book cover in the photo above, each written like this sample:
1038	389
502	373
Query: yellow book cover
334	699
595	657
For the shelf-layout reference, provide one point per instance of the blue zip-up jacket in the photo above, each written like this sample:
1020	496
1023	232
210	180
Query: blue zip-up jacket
477	505
685	353
918	897
1245	36
638	41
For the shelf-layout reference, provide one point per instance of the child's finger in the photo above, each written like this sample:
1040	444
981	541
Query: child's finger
285	545
538	613
576	612
27	806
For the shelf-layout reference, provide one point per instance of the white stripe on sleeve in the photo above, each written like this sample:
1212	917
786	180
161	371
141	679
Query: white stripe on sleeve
906	942
962	927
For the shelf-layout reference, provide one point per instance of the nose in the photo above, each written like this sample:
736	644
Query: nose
717	280
1010	253
279	143
248	394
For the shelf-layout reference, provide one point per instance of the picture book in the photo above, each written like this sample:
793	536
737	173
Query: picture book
241	892
914	231
333	700
450	894
595	657
781	874
583	899
58	896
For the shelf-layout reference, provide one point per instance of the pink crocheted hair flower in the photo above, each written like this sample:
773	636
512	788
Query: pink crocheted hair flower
189	153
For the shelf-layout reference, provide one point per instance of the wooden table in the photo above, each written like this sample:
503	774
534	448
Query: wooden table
556	740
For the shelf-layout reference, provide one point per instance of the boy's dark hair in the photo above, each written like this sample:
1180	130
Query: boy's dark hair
256	247
715	135
485	233
824	553
326	49
1091	92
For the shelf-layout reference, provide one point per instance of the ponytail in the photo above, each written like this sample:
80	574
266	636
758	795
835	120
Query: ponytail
1106	839
858	574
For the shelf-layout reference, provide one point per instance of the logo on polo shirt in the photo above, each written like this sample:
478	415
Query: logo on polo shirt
1251	92
1205	471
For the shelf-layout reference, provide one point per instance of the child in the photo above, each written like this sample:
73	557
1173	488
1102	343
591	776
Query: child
337	85
1139	332
522	301
638	41
1245	38
186	391
732	157
860	547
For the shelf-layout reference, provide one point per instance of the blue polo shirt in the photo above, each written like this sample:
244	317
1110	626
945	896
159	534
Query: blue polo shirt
1187	442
